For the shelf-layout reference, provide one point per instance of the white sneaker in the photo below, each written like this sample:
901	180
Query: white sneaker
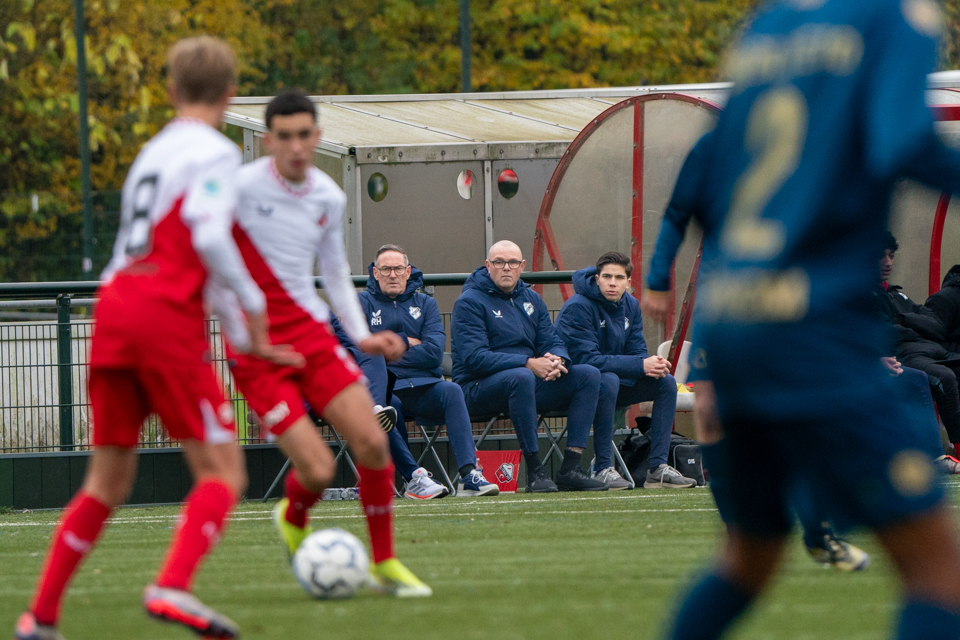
838	553
422	487
612	479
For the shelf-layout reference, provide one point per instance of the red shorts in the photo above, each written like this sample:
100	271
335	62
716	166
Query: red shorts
188	399
131	331
276	393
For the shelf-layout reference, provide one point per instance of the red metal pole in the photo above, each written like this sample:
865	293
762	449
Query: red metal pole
936	242
636	214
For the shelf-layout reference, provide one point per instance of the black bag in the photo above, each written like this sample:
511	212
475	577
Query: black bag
684	456
635	451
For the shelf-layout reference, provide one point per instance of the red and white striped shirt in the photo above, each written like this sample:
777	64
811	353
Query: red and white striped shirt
284	232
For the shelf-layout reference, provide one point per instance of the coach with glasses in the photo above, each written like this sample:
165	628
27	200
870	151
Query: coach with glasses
414	384
508	358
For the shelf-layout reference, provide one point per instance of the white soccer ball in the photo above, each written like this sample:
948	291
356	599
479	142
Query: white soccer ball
331	564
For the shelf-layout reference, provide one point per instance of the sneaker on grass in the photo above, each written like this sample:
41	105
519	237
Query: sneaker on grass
422	486
391	577
666	477
290	534
476	485
28	629
577	480
948	465
612	479
839	554
182	607
538	482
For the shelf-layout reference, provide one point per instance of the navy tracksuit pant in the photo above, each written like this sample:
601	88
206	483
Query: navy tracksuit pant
440	403
663	392
521	394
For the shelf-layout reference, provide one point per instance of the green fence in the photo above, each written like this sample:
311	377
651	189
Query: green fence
44	405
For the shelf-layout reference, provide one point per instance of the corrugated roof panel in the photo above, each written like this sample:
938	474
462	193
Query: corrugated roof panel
528	116
351	129
575	113
254	111
473	123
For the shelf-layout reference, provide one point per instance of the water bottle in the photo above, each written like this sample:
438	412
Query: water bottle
331	494
345	493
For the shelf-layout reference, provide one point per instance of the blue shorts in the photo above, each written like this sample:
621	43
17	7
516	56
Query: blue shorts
862	467
912	393
812	407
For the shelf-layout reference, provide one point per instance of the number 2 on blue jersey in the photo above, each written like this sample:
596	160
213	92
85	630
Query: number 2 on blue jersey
776	130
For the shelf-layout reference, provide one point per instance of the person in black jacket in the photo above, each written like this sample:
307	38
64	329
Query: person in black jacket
943	311
915	331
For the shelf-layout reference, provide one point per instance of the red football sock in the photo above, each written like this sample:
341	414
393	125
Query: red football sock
301	499
376	496
74	538
204	516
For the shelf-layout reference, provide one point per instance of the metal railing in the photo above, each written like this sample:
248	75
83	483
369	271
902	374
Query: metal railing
44	404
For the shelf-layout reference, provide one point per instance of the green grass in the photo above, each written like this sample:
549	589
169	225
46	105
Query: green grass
513	567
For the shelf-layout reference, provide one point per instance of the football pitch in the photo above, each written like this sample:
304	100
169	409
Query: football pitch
575	566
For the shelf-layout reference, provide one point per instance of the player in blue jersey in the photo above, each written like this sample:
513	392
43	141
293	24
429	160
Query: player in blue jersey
794	186
821	541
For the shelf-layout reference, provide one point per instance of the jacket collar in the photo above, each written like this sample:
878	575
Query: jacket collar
481	281
413	284
585	283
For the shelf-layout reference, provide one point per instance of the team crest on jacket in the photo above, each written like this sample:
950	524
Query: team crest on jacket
603	324
414	312
528	307
375	319
626	323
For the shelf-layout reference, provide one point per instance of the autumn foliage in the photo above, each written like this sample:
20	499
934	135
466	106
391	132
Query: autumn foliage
324	46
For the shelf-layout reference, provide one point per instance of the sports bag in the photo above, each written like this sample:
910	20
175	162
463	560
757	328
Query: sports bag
684	456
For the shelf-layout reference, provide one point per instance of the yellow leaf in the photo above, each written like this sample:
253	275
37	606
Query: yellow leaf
26	32
70	49
112	54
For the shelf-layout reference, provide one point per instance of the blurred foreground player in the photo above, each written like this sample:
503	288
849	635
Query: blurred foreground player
290	218
149	352
821	541
826	113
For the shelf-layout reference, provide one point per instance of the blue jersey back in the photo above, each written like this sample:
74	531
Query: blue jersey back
794	185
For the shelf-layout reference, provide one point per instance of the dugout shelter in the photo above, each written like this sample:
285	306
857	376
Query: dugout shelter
567	174
447	175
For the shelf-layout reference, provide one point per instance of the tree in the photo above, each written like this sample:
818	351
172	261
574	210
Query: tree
125	47
323	46
400	46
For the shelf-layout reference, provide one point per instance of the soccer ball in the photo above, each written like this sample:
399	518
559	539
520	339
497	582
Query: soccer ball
331	564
